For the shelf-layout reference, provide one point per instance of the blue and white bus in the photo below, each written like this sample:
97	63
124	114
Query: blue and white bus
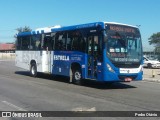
100	51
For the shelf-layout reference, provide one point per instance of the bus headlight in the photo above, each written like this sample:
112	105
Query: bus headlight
110	68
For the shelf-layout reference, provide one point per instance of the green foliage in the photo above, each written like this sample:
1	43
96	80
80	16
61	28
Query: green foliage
21	29
155	39
158	57
24	29
157	49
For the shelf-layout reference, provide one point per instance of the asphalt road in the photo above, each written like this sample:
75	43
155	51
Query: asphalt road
20	92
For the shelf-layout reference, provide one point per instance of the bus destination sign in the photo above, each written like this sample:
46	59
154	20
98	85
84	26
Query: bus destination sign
122	29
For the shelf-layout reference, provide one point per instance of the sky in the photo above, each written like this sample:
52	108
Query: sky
45	13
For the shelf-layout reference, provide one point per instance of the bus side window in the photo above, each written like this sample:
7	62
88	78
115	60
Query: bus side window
82	44
77	41
35	42
60	41
64	41
25	43
69	42
56	41
53	40
47	43
38	42
32	42
18	43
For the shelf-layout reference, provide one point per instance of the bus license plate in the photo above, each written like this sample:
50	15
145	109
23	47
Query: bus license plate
128	79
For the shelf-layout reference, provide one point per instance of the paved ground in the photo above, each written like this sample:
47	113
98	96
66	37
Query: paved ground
152	75
19	91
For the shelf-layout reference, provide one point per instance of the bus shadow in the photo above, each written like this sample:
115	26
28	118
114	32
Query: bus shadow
102	85
45	76
24	73
87	83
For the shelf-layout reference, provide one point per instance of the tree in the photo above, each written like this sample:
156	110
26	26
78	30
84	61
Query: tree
22	29
155	40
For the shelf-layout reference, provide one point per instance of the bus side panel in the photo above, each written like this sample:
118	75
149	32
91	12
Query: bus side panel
46	61
85	67
22	59
62	61
36	57
100	70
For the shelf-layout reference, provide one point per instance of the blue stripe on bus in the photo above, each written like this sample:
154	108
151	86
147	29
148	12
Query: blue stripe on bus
75	27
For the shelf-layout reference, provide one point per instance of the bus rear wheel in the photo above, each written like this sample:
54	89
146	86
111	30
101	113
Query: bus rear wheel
77	77
33	70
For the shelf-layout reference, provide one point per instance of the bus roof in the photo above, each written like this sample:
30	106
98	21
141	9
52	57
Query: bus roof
80	26
38	31
47	29
89	25
121	24
74	27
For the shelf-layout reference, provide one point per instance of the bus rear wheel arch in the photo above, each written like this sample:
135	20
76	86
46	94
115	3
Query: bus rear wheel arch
33	69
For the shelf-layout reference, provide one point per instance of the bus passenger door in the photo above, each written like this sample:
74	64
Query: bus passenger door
92	56
46	53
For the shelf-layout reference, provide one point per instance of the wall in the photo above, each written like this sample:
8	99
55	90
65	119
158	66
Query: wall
7	56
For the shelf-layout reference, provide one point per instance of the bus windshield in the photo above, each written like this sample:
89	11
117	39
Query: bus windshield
123	44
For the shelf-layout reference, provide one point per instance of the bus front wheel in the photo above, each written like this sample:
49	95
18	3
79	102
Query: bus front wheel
33	70
77	77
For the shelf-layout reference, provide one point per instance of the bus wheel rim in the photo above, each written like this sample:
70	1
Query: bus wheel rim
77	76
33	70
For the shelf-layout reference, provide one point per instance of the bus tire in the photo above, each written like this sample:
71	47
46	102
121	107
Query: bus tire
77	77
33	70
